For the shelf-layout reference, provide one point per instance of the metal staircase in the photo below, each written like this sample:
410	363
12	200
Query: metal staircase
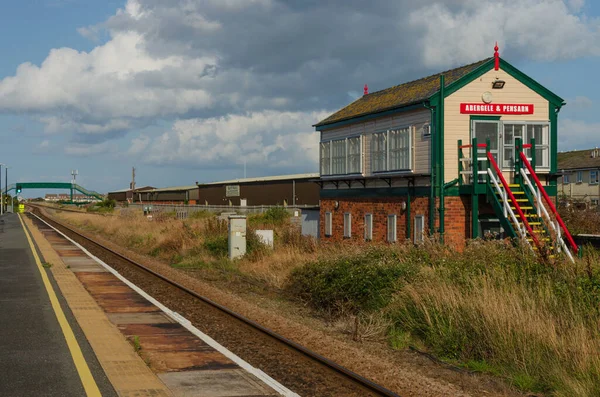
523	207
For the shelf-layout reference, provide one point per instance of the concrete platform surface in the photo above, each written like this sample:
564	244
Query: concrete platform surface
35	359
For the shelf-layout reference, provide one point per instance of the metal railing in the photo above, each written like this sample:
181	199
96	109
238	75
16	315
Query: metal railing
183	210
513	199
549	202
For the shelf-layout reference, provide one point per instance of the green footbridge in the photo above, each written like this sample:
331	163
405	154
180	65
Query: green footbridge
72	187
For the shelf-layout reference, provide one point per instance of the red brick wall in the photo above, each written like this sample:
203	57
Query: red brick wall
380	208
457	219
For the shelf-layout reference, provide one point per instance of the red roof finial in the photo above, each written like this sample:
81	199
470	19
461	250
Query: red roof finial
496	57
366	91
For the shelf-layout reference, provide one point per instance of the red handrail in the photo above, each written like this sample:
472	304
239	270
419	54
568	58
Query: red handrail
513	199
547	198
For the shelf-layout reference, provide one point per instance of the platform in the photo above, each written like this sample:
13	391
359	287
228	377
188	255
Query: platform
37	349
145	339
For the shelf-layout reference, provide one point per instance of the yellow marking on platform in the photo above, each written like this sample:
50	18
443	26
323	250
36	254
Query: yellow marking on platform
89	384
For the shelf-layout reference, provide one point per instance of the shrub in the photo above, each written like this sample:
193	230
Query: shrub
217	245
355	282
273	216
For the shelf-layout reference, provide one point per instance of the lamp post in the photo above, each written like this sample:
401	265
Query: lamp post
6	189
1	198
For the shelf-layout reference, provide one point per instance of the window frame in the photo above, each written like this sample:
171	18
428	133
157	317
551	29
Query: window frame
387	162
328	224
579	178
330	143
322	158
593	182
567	180
419	239
342	159
347	224
392	220
369	227
384	134
502	147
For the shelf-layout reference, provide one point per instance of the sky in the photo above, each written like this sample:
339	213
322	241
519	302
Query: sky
197	90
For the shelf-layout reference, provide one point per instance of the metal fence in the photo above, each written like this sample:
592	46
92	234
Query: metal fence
187	209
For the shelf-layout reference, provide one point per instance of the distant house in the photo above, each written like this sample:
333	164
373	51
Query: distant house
581	172
77	198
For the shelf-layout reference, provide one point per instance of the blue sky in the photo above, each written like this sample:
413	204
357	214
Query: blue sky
189	91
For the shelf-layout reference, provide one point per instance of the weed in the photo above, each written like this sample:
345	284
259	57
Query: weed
47	265
135	341
398	339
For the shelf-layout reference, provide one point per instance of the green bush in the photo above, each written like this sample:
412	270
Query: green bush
217	245
273	216
355	282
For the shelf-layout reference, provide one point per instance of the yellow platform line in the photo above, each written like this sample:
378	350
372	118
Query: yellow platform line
89	384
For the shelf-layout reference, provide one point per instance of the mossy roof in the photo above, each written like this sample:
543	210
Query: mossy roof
578	159
398	96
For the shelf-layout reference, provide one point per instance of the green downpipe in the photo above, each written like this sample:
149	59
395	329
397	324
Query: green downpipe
408	217
433	167
440	140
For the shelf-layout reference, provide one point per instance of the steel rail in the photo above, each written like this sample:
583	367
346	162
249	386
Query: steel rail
353	376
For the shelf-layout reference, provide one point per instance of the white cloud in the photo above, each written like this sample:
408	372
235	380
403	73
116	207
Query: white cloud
138	145
541	30
576	5
99	91
580	102
85	150
270	139
247	78
577	134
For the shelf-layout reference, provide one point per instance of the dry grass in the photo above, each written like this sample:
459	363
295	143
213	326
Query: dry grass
492	307
200	243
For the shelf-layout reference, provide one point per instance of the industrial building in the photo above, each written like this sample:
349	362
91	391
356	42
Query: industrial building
431	157
580	174
284	190
128	195
171	195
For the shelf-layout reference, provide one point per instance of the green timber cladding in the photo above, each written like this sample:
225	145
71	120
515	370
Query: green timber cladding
399	145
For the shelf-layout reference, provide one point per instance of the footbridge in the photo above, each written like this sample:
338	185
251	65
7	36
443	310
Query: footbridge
72	187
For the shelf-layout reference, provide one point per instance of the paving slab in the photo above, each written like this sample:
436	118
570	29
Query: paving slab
35	359
222	383
125	369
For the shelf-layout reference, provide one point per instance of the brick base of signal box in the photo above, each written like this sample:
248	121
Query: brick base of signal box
457	219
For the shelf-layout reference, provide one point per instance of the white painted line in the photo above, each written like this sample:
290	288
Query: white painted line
278	387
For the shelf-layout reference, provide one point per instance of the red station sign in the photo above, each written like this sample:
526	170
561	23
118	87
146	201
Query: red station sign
496	108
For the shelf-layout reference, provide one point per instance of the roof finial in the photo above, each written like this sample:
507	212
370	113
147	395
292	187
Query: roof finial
366	90
496	57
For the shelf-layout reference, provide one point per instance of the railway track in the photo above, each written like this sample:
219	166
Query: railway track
298	368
